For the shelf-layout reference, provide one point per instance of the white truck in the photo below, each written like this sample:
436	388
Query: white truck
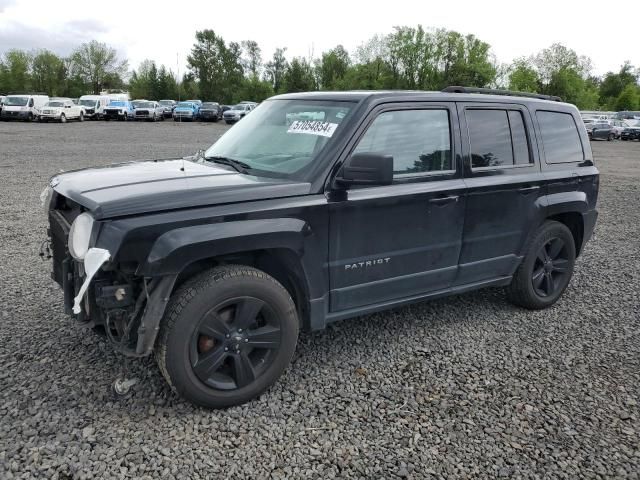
23	107
94	105
61	110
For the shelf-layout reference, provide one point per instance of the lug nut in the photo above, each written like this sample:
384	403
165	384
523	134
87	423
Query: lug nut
246	340
226	349
239	330
227	335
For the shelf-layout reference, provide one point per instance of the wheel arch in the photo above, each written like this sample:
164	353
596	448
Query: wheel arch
574	221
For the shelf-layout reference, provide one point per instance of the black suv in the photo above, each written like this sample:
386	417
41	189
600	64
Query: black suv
316	208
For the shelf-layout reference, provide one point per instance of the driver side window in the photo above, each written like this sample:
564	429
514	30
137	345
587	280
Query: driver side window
31	102
418	140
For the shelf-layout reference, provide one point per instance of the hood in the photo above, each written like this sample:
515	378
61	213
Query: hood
151	186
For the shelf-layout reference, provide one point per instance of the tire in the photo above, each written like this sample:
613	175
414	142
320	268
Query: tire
209	303
154	119
81	117
30	117
611	137
530	287
63	118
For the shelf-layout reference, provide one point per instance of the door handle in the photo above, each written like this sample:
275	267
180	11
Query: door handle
525	190
444	200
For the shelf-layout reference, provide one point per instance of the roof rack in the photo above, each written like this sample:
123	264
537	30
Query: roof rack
494	91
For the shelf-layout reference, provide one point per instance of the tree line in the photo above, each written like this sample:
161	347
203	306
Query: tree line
407	58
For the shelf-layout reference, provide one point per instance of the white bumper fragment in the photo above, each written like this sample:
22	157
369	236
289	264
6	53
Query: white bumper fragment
93	260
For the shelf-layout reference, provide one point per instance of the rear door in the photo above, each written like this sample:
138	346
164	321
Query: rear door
504	189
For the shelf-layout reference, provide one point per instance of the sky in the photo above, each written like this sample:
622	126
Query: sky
165	31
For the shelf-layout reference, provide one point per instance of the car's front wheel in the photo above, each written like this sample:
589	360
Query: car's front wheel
63	118
546	269
227	335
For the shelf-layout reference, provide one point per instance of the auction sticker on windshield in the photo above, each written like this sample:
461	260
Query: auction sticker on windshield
311	127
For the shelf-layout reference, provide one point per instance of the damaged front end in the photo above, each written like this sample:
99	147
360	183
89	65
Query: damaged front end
98	291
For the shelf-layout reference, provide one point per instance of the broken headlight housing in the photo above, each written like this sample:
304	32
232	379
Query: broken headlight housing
45	198
80	235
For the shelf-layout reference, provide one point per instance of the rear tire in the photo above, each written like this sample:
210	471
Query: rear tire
227	335
546	269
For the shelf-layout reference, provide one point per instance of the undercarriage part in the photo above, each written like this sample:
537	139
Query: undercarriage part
131	332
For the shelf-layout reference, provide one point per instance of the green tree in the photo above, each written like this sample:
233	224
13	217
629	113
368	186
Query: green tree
14	71
48	73
98	65
167	85
276	69
333	67
523	76
216	65
252	58
629	98
614	83
299	76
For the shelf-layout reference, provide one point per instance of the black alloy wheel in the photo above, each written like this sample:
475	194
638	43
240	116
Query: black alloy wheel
234	343
546	269
227	335
550	267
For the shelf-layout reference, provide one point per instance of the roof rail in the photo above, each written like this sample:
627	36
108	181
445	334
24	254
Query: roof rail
27	93
494	91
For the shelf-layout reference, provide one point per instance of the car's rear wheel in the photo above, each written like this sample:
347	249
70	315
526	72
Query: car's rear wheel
227	335
546	269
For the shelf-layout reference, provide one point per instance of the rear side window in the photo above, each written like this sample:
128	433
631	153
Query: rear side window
560	137
497	138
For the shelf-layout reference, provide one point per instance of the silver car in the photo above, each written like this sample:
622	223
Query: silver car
148	110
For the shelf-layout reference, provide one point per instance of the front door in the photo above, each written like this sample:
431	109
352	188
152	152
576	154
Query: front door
400	241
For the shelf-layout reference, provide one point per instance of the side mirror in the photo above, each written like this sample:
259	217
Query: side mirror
366	169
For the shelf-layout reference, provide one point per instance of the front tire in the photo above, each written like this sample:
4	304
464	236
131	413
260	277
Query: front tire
227	335
63	118
546	269
81	117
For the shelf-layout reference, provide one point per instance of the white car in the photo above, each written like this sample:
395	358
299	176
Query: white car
23	107
618	126
61	110
148	110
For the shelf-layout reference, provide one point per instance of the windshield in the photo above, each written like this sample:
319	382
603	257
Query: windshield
88	103
166	102
118	104
144	105
185	104
282	137
55	104
16	101
239	107
209	105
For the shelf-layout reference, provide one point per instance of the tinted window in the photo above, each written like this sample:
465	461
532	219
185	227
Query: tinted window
519	138
418	140
560	137
490	138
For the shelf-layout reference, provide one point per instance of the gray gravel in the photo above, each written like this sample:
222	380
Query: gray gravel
465	387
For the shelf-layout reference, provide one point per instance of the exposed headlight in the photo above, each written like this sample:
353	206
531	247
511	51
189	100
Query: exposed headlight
80	235
45	198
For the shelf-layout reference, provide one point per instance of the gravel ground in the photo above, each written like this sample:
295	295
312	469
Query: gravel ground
464	387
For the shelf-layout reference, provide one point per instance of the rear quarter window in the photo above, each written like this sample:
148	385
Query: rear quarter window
560	137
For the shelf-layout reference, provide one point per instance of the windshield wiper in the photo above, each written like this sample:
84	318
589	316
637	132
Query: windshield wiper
237	164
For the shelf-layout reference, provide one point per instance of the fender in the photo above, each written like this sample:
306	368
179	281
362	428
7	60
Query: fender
565	202
176	249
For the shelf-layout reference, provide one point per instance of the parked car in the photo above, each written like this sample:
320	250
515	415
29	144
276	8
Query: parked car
61	110
148	110
237	112
168	106
632	131
198	102
23	107
216	261
119	110
94	105
601	130
617	126
210	111
186	111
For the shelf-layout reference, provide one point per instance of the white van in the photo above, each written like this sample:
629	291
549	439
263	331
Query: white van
94	105
23	106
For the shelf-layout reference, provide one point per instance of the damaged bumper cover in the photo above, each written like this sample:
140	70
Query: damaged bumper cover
93	261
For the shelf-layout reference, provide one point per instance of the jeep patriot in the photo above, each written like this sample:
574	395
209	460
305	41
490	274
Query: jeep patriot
319	207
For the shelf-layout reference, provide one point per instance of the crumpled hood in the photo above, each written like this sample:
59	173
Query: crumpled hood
150	186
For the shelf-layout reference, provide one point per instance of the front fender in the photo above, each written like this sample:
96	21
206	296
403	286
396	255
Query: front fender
176	249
